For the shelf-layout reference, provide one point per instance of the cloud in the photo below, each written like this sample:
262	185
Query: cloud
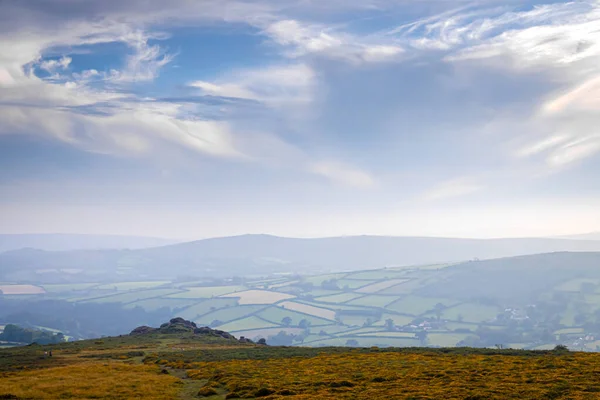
145	62
342	174
314	39
52	66
277	85
452	188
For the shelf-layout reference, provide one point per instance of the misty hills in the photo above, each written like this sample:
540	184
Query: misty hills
263	254
65	242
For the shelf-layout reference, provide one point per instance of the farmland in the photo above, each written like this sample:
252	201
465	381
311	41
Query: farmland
431	305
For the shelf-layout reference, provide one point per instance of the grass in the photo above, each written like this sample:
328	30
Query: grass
91	380
375	275
574	285
373	301
379	286
353	283
126	286
471	312
229	314
130	297
72	287
310	310
338	298
248	323
207	292
159	367
417	305
157	303
205	307
259	297
276	314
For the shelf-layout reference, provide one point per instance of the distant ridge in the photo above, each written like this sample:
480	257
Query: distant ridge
582	236
67	241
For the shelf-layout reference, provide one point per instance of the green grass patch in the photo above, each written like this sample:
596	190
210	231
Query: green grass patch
248	323
353	283
206	292
229	314
373	301
338	298
418	305
206	306
155	304
72	287
446	339
276	314
130	297
126	286
471	312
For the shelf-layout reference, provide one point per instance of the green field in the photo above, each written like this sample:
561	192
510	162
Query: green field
334	307
124	286
207	292
229	314
416	305
130	297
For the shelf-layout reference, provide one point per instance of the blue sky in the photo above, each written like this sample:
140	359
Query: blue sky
209	118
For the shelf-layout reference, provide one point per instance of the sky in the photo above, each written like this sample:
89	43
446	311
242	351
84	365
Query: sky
193	119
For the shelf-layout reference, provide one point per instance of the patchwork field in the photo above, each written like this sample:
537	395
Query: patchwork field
385	307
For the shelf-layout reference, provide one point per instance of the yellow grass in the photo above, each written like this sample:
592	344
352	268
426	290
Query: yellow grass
382	376
112	380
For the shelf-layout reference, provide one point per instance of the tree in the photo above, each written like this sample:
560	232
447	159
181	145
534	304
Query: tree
215	323
287	321
439	310
303	323
422	336
281	339
389	325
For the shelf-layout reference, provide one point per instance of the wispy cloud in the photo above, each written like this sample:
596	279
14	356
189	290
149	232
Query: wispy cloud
305	39
452	188
274	85
343	174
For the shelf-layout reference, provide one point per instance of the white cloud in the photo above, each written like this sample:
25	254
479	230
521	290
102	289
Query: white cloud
452	188
342	174
145	62
274	85
314	39
52	66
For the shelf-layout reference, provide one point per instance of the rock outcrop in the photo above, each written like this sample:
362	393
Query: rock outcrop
180	325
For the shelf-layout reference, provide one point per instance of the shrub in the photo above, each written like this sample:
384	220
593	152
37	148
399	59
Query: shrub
207	391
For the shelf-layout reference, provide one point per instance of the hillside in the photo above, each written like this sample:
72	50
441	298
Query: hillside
187	365
531	302
260	255
66	242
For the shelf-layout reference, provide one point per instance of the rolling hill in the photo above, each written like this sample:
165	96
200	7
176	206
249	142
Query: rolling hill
263	254
65	242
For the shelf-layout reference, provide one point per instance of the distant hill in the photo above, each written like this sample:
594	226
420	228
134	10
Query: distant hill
583	236
263	254
65	242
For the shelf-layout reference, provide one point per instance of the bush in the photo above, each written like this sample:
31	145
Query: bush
560	348
207	391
